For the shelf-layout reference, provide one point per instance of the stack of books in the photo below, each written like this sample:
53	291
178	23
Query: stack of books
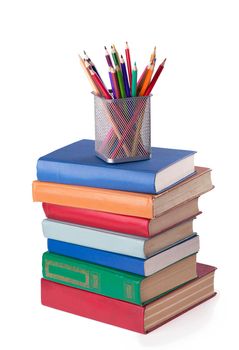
121	245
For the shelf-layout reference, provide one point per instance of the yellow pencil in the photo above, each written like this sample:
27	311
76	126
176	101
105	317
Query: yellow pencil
87	73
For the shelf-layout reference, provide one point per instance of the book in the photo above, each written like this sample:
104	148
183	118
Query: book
131	225
116	283
142	319
120	243
122	202
144	267
77	164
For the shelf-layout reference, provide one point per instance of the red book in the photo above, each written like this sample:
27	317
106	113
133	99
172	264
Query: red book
131	225
142	319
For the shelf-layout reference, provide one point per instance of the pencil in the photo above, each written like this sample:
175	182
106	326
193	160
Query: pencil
114	82
120	81
87	73
147	80
125	77
153	55
141	80
92	64
155	78
134	81
117	55
108	59
105	93
114	56
128	60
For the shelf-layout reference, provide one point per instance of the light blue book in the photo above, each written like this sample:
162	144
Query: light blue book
120	243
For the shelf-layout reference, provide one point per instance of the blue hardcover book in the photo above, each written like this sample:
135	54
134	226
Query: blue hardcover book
145	267
77	164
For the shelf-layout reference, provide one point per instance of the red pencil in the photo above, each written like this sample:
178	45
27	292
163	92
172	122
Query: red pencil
100	84
127	53
115	82
155	78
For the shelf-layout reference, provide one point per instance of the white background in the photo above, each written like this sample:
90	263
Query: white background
46	104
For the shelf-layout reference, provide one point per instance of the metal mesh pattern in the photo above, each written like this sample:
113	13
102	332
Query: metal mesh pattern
122	129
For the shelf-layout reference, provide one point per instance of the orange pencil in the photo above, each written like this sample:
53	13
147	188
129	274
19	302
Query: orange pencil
147	79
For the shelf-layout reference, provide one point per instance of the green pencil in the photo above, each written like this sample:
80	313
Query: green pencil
134	81
120	81
115	56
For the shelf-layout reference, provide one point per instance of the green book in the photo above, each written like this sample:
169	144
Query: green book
116	283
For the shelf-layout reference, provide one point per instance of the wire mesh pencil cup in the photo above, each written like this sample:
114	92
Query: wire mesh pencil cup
122	129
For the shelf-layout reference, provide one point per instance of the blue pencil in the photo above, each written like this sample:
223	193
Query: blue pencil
125	77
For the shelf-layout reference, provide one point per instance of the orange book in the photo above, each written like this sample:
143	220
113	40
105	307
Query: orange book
123	202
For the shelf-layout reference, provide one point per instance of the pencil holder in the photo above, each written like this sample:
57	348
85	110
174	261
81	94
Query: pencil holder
122	129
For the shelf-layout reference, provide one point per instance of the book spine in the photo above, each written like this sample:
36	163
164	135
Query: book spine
96	256
93	176
118	202
107	221
95	278
90	237
93	306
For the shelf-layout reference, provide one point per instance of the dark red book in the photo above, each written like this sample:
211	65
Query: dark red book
142	319
122	223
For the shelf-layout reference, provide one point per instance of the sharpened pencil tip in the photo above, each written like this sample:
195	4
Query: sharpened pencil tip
84	52
105	47
163	63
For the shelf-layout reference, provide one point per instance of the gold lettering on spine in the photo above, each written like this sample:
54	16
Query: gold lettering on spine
129	291
85	273
95	281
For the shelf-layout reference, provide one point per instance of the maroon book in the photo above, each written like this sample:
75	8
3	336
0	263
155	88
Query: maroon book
142	319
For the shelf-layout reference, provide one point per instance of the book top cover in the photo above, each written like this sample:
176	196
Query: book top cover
77	164
83	153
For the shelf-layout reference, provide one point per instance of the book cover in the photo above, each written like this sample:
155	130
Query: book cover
120	243
77	164
144	267
124	314
131	225
122	202
116	283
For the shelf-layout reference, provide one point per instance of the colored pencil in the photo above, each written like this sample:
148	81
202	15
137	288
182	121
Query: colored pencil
105	93
128	60
120	81
108	59
153	55
117	55
134	81
87	73
155	78
147	80
114	82
141	80
125	77
92	64
114	56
